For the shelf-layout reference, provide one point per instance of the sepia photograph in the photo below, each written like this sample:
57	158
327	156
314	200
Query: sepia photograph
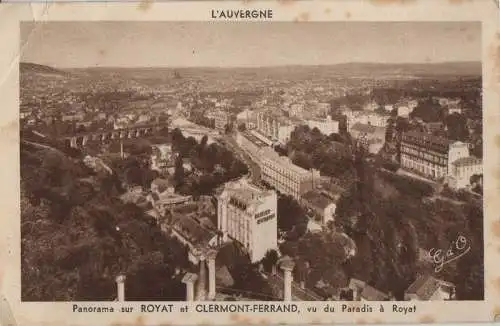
195	161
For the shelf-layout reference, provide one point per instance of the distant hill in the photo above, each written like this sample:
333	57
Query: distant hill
301	72
467	68
28	67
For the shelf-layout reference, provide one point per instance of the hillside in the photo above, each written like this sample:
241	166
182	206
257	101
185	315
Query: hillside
28	67
77	236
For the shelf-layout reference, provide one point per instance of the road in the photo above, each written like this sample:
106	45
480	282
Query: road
253	168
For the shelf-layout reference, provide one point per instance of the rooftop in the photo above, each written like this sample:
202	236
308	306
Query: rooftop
192	231
371	294
317	199
427	140
245	194
251	137
270	154
424	287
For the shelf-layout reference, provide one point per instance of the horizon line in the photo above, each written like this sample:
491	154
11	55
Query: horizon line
257	67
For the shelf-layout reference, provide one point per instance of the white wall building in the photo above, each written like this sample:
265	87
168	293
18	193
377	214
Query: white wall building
463	169
326	126
436	157
248	215
404	111
286	177
365	117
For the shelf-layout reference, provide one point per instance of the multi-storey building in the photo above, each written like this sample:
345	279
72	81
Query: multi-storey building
286	177
247	214
326	126
462	171
251	144
365	117
220	117
275	128
429	155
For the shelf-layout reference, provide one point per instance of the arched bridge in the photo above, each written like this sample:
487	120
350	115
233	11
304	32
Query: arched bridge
137	131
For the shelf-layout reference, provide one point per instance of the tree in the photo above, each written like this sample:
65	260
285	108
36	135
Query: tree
290	214
179	174
269	261
457	127
428	110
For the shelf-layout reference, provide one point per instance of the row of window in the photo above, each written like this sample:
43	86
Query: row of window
291	188
238	228
282	172
422	168
425	155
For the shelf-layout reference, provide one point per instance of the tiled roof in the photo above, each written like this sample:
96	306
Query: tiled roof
424	287
421	139
355	283
371	294
192	231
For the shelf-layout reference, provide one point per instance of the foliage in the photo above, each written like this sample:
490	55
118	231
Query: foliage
457	127
270	260
215	164
428	110
291	216
309	148
389	233
76	237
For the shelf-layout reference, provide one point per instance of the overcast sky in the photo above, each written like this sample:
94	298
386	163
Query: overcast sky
195	44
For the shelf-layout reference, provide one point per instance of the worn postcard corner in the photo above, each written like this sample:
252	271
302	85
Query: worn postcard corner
263	162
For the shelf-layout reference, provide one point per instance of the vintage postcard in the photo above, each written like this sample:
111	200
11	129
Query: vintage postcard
250	163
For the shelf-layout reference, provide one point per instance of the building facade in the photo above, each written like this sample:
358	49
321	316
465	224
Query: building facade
286	177
248	215
462	171
365	117
326	126
274	128
221	119
251	144
429	155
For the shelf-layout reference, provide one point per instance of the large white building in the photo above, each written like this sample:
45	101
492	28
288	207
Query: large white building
248	215
436	157
281	174
462	171
365	117
326	126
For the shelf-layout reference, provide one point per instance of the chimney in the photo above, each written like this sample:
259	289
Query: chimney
287	267
120	285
